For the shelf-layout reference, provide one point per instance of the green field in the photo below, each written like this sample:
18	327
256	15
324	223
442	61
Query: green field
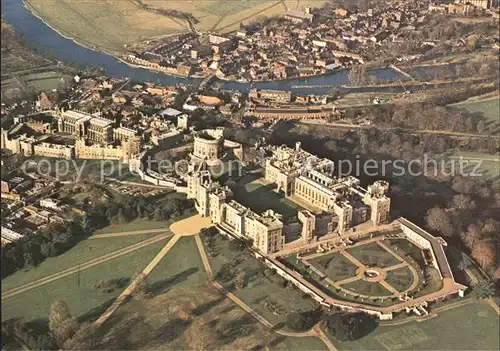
470	327
490	108
260	198
183	311
81	253
182	265
78	290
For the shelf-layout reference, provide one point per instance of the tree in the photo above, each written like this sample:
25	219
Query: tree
472	42
484	289
86	224
480	126
484	253
239	281
302	320
437	219
238	245
471	236
350	326
463	202
209	232
62	325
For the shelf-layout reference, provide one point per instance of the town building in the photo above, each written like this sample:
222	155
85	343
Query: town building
276	96
293	112
297	16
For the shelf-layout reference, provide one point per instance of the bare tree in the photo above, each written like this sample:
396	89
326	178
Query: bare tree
438	220
484	253
472	235
61	323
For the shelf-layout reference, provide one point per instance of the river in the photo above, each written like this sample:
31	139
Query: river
40	34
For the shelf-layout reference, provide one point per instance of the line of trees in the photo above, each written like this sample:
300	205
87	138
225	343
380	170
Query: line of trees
57	238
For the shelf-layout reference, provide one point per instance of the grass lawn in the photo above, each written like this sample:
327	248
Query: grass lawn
406	250
264	293
373	255
335	266
470	327
260	198
400	279
83	299
182	265
81	253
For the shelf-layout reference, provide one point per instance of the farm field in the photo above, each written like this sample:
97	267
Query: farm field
27	75
79	290
470	327
114	25
105	25
488	165
84	251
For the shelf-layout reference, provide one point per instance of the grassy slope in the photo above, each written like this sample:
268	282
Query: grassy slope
81	253
200	316
81	299
469	327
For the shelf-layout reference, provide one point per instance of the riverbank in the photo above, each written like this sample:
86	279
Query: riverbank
36	14
67	48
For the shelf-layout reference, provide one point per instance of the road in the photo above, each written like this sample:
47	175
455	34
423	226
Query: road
314	332
128	233
131	288
72	270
